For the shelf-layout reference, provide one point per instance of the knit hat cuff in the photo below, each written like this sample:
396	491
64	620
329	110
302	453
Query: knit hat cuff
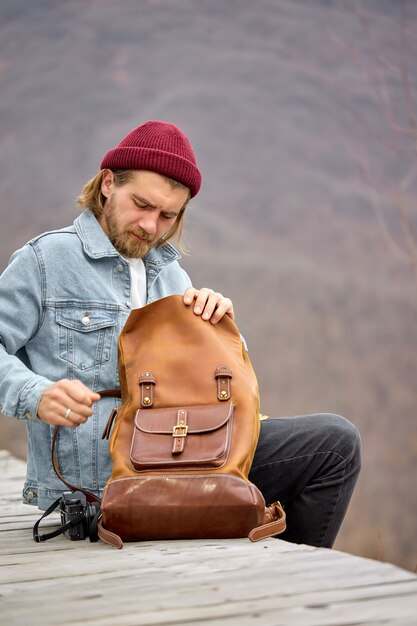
165	163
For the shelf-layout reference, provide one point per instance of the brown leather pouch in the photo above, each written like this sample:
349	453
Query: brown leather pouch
195	437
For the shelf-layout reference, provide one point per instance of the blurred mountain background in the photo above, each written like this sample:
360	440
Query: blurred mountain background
302	116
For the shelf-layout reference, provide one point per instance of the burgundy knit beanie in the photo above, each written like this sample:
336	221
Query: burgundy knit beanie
158	147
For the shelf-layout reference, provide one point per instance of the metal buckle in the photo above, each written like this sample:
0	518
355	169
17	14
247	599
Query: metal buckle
180	430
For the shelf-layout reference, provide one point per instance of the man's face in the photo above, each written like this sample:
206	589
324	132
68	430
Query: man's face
139	213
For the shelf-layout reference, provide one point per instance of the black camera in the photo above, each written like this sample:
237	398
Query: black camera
80	515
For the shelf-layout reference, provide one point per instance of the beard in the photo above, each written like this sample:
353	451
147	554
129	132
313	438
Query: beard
125	240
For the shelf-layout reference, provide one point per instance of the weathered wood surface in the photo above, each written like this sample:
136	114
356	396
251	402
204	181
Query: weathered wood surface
230	582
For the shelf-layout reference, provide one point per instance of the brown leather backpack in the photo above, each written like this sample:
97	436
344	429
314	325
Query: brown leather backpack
183	440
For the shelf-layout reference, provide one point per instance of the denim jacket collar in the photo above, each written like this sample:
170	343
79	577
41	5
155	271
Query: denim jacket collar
96	244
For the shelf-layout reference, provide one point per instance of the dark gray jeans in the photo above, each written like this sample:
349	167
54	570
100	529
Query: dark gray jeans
310	463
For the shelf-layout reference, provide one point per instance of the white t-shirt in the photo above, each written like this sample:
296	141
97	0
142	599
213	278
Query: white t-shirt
137	283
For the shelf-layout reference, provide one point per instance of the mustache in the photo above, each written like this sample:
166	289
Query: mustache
141	233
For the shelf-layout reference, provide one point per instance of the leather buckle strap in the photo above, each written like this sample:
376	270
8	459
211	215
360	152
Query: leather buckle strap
147	389
223	375
179	432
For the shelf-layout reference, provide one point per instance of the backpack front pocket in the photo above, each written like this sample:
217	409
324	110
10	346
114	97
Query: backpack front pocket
197	437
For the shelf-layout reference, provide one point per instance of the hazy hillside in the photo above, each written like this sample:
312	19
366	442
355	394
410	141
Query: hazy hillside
285	102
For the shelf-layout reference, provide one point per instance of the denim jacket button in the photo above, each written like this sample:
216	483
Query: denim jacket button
30	495
119	267
86	321
28	415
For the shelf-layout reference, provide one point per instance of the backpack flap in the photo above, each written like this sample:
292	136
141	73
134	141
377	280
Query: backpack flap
196	437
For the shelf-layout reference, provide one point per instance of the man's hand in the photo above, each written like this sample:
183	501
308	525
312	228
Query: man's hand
209	304
67	403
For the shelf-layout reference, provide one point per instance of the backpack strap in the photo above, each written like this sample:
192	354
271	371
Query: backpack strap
108	537
112	393
274	524
91	497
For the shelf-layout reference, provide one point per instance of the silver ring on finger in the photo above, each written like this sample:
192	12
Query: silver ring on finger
68	413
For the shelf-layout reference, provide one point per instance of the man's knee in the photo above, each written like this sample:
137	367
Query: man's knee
345	436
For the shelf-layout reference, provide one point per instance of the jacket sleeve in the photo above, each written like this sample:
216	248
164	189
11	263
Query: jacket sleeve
21	289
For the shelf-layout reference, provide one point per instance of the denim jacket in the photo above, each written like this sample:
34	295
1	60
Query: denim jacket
64	299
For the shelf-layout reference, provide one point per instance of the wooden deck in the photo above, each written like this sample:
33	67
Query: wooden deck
230	582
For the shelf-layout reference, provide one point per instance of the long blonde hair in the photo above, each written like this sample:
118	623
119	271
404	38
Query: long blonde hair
92	198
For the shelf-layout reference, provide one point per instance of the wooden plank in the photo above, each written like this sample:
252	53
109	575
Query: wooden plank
207	581
230	582
188	606
176	563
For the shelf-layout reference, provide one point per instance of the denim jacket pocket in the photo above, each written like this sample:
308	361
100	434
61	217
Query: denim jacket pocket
85	334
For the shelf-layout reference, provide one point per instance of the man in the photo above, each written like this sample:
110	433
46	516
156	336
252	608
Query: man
64	299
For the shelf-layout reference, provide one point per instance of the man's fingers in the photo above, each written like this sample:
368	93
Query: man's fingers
75	419
58	413
67	403
224	307
209	304
205	302
78	398
199	297
189	295
78	392
76	413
